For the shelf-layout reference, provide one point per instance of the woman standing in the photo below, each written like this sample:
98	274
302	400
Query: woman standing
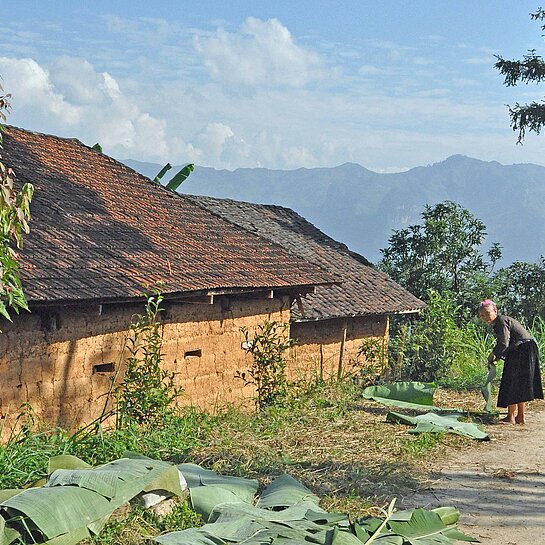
521	378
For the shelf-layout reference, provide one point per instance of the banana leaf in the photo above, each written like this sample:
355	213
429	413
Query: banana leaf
205	498
427	528
161	173
191	536
285	491
420	393
228	511
180	177
58	510
9	493
436	423
71	538
7	535
195	476
487	389
449	515
66	461
177	179
417	396
102	482
389	539
78	502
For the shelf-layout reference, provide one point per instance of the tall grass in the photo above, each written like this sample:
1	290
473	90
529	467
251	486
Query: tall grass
470	345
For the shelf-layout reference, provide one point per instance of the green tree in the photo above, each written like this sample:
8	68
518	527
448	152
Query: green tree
14	218
519	290
443	254
531	69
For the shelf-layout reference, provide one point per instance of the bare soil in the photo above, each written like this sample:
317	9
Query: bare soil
499	485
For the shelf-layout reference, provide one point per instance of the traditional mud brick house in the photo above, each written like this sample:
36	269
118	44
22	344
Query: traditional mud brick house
101	234
329	325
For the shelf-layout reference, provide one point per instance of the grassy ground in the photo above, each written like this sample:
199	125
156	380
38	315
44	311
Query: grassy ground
332	440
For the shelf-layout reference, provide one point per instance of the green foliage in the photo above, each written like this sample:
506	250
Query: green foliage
177	179
518	290
531	69
442	254
14	218
268	372
444	344
146	391
425	347
371	360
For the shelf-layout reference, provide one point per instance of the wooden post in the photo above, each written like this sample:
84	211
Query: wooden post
341	354
321	362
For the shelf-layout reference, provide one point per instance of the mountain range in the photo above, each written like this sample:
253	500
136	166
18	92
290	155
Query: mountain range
361	208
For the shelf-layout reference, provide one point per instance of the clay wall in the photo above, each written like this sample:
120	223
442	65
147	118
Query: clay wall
62	361
316	353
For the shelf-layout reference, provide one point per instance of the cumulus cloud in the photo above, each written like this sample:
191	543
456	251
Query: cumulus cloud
262	53
71	98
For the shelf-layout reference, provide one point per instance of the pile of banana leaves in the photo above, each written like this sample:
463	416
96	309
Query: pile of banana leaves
76	500
418	397
287	513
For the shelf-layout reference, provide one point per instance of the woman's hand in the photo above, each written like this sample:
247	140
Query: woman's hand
491	359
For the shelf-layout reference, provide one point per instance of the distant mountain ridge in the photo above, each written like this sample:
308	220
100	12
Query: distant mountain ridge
361	208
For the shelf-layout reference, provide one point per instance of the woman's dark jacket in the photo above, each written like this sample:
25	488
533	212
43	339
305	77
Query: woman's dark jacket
509	334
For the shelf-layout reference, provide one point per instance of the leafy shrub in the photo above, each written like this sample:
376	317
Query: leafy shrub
442	344
268	372
146	391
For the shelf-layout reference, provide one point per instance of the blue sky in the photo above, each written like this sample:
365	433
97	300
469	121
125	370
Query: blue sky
390	85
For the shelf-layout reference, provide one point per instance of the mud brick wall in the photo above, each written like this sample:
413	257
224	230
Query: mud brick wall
62	361
318	345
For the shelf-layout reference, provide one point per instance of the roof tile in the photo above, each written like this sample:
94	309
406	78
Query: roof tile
99	230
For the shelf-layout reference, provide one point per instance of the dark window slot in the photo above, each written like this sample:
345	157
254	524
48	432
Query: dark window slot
104	368
193	354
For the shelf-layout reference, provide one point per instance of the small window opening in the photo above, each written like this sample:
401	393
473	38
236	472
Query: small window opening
193	354
104	368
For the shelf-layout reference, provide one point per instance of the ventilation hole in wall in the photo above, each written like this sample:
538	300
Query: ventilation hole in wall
193	354
104	368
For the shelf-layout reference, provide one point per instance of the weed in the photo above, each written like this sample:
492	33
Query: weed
268	372
146	391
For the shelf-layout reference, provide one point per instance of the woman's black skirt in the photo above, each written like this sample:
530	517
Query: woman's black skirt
521	378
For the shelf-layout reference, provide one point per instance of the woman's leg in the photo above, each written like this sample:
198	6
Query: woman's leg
521	417
510	418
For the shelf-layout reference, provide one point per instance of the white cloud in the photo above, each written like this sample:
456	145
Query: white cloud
262	53
32	89
71	98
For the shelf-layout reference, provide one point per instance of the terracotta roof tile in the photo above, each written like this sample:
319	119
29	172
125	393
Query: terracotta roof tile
364	291
99	230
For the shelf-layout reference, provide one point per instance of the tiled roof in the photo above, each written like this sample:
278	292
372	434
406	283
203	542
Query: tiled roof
99	230
364	290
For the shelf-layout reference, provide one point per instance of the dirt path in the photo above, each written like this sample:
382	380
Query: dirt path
499	487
